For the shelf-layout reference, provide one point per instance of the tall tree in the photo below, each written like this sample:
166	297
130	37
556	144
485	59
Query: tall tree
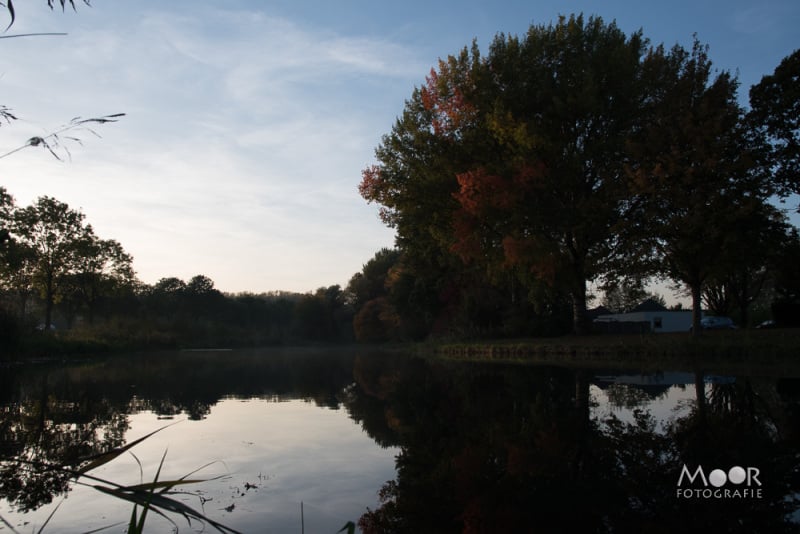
517	160
695	172
51	231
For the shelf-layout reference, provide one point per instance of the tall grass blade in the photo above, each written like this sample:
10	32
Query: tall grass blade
159	503
6	523
49	517
146	507
104	458
132	523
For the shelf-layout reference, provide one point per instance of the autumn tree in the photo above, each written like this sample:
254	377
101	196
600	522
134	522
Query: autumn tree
516	160
414	183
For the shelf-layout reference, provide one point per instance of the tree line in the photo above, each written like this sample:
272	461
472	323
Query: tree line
577	154
58	279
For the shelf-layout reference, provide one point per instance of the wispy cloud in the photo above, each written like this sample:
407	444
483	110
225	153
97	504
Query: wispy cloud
244	139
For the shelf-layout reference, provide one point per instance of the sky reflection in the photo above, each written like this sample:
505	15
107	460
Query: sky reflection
269	457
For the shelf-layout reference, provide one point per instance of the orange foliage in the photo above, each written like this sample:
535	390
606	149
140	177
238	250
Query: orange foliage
442	96
479	190
373	188
371	184
467	242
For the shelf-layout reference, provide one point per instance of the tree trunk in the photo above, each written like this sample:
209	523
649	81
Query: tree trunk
697	309
49	297
700	393
580	323
48	312
744	303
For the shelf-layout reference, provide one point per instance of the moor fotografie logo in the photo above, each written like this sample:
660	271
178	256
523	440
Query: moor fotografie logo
735	483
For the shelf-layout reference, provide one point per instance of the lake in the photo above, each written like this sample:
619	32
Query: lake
293	440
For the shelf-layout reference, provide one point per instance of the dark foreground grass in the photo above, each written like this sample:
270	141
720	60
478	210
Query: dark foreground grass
760	348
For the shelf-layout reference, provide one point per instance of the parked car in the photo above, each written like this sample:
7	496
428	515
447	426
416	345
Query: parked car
717	323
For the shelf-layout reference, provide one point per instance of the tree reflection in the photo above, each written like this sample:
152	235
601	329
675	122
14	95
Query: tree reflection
493	448
43	432
59	416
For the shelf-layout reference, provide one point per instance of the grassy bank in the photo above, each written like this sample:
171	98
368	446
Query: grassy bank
730	347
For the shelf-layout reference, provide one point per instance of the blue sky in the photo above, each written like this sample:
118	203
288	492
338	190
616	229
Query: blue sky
248	122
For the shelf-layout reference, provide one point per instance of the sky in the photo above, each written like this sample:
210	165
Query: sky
248	122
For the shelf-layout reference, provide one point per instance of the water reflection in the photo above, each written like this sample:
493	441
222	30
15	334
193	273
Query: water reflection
522	449
270	424
479	447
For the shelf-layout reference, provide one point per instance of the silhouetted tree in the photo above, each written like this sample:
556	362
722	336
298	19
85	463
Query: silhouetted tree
695	172
52	232
775	103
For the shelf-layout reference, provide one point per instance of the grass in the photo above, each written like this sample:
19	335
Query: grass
730	347
156	496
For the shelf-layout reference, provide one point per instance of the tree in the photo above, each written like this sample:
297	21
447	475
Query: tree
747	259
6	208
786	304
102	268
370	282
775	107
51	231
516	160
414	185
694	172
315	315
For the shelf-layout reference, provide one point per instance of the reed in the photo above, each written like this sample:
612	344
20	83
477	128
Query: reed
151	497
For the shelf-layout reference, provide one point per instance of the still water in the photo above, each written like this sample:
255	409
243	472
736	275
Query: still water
292	441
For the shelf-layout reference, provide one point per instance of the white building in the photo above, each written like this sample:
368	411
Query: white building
657	316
